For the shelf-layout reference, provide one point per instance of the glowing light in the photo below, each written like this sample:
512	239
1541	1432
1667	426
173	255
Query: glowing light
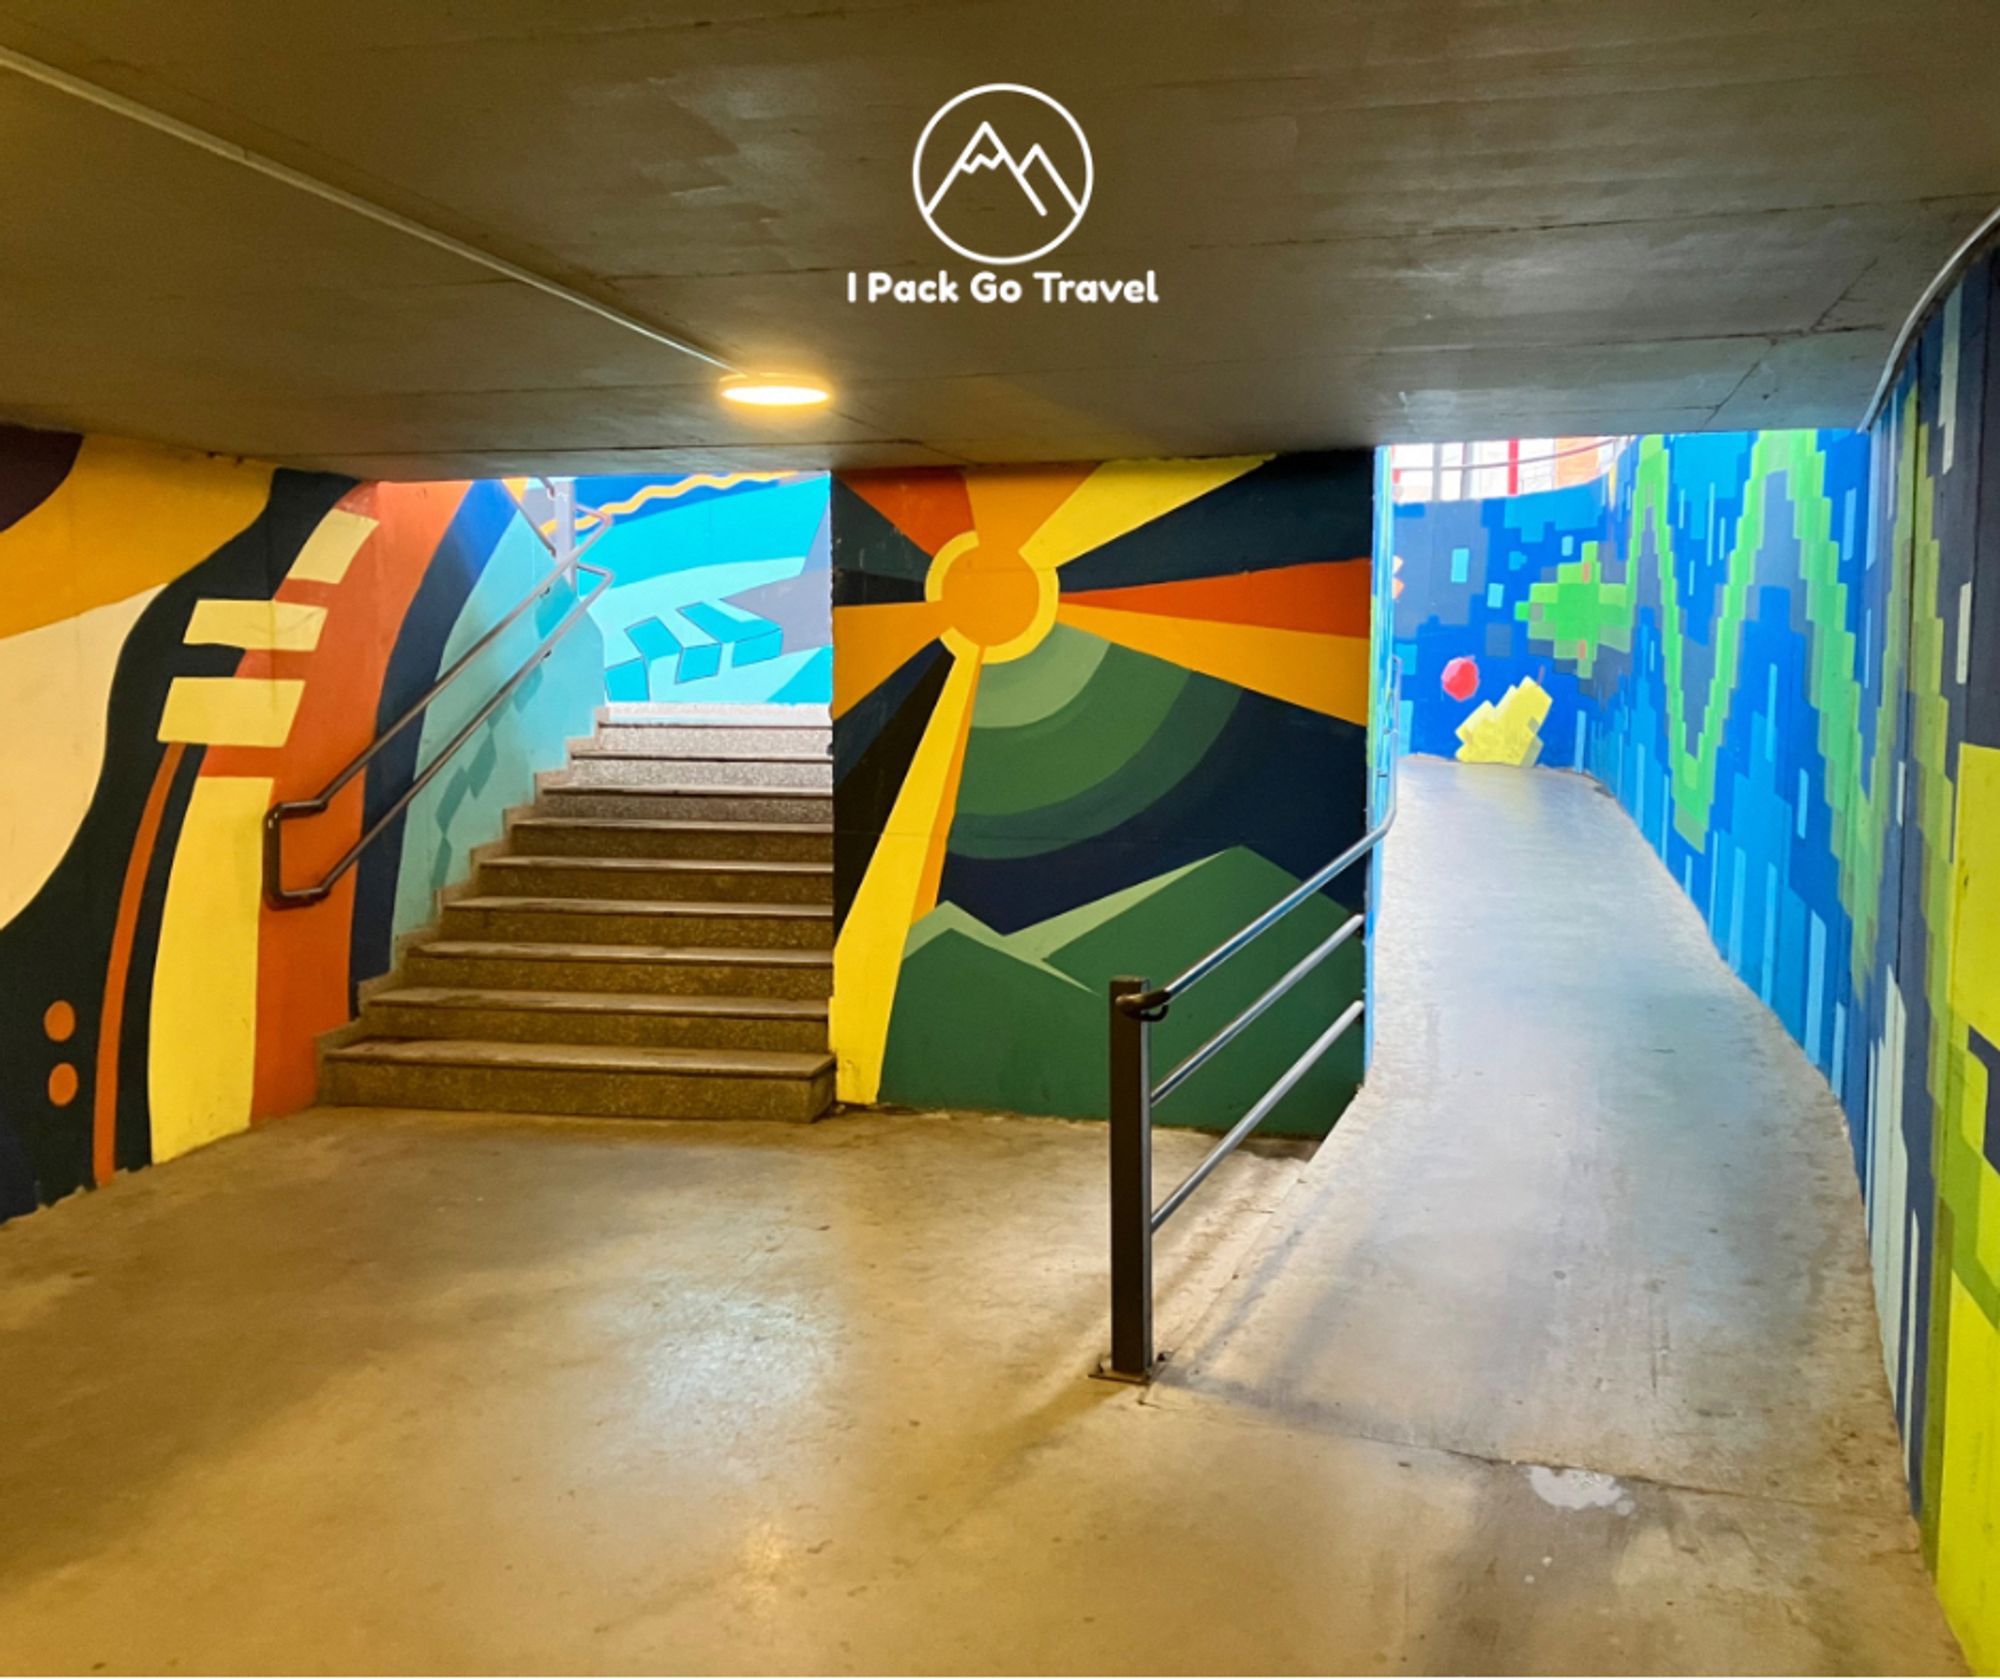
774	390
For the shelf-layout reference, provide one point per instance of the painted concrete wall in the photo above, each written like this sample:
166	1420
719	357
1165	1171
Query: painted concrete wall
1781	651
183	641
1088	720
721	584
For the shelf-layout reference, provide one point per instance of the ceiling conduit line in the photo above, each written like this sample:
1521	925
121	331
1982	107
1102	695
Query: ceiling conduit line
77	88
1947	277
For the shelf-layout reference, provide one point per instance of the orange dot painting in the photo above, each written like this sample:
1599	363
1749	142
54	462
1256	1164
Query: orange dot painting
59	1021
62	1084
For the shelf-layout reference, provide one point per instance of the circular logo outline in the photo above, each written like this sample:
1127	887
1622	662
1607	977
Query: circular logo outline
952	104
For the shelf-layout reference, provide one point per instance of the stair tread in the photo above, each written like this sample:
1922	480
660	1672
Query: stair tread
555	951
595	751
774	713
669	825
642	906
603	1002
658	865
556	783
476	1052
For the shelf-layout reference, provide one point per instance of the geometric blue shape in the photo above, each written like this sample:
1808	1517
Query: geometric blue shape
652	638
752	639
702	659
754	650
626	681
1461	564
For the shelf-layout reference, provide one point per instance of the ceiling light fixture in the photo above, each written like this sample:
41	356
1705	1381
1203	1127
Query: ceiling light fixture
774	390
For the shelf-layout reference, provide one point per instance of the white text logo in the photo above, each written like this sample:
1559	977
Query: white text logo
1002	175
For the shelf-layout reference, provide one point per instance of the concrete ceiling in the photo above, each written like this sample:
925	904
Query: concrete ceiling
1371	220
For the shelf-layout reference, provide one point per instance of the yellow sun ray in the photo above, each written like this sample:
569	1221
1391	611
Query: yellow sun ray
899	887
1121	496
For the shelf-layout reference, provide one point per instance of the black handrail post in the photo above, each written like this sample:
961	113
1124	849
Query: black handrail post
1131	1189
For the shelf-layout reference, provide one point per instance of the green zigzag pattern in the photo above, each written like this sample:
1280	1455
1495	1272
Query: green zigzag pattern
1580	611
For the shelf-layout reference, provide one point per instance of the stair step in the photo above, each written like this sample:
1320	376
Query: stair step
611	836
560	798
655	940
684	970
802	771
609	920
708	879
617	1081
598	1017
774	741
716	714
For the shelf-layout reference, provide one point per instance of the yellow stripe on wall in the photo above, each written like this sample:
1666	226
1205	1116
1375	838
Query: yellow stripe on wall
1120	496
331	548
231	710
202	1058
278	626
868	956
128	518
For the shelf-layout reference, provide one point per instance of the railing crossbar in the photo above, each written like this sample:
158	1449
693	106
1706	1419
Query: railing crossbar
1222	1039
1151	1001
1258	1114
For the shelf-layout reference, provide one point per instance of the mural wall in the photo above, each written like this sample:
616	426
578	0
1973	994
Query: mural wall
721	591
1781	651
1088	721
183	641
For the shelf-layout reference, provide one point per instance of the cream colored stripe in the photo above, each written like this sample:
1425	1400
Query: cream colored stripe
331	548
231	710
55	689
280	626
202	1051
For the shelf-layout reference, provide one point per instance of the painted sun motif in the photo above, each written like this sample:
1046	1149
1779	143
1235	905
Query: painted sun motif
997	542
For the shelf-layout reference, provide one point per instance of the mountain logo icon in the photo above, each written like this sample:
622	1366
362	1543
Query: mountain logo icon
1002	173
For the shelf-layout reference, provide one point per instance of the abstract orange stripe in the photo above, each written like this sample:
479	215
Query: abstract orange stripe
118	968
928	506
1325	673
1325	597
302	979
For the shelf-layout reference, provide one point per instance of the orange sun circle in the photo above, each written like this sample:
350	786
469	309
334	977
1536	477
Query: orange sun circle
995	601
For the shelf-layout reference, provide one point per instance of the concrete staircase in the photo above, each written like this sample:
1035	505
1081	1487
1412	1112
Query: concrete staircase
652	939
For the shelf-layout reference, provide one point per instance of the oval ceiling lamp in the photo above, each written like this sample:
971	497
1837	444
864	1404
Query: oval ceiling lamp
774	390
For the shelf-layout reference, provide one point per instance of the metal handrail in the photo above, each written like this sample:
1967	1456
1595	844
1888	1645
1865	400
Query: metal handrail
569	565
1208	1051
1257	1114
1135	1010
1155	1002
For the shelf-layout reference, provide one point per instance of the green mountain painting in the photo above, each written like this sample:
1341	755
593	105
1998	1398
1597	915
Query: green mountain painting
1018	1021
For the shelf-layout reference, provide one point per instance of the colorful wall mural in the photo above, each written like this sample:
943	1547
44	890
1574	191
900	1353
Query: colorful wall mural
1088	721
188	640
721	591
185	640
1781	651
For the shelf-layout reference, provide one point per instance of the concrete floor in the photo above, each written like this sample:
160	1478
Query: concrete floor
1559	1357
